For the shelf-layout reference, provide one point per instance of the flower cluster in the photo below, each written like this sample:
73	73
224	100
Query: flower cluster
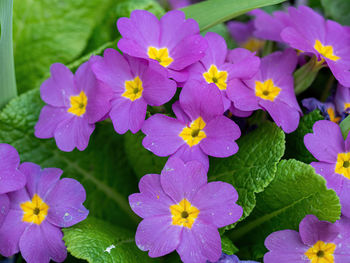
180	210
35	204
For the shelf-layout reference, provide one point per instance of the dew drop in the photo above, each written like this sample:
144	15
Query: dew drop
67	217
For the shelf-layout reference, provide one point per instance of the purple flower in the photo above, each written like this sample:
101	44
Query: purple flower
182	212
327	40
11	179
242	33
232	259
213	67
135	83
268	26
327	109
75	103
327	145
271	89
198	131
173	41
176	4
317	241
342	100
38	211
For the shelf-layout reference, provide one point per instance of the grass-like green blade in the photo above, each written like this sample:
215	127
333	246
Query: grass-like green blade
8	88
345	127
211	13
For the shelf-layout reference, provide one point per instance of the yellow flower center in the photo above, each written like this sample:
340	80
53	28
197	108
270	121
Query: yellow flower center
78	104
183	213
133	89
213	75
161	55
193	135
253	44
266	90
34	211
326	51
332	117
343	164
346	106
321	252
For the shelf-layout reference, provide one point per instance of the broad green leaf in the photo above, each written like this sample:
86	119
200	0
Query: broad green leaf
107	31
227	246
102	168
295	147
141	160
345	127
339	10
8	89
295	192
98	241
253	167
49	31
211	13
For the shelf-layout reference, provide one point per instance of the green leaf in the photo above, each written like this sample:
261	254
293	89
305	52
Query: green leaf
295	192
98	241
102	168
211	13
295	147
8	89
253	167
345	127
339	10
222	30
227	246
141	160
49	31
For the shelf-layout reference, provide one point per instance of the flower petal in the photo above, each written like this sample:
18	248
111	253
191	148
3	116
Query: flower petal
194	153
158	235
182	180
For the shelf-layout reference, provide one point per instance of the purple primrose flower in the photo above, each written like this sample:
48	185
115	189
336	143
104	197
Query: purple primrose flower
75	103
182	212
342	100
316	242
11	179
38	211
199	130
135	83
327	40
271	89
327	145
327	109
213	67
173	41
232	259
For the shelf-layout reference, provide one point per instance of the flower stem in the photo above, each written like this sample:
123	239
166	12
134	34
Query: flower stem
8	88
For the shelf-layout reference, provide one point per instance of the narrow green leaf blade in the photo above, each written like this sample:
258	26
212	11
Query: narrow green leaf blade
345	127
98	241
211	13
339	10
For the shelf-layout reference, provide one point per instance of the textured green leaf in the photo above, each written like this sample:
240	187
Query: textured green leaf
98	241
102	168
141	160
295	192
339	10
211	13
107	31
295	147
253	167
227	246
49	31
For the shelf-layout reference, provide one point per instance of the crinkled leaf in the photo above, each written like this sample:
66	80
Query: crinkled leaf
339	10
102	168
141	160
98	241
253	167
49	31
227	246
295	192
295	147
